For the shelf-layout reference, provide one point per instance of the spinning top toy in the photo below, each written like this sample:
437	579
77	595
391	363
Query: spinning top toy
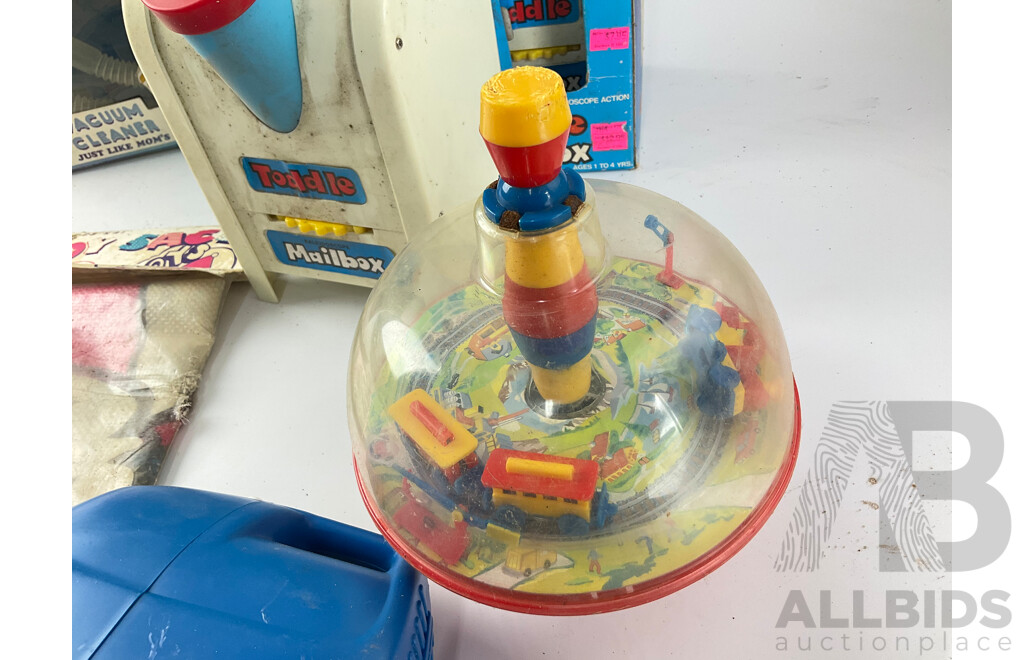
561	414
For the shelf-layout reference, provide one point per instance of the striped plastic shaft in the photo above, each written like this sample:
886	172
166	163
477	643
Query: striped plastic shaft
550	303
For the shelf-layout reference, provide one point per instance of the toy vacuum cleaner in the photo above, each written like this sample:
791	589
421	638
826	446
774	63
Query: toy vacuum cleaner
557	413
160	571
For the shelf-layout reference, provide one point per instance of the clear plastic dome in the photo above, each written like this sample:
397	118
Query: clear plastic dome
674	445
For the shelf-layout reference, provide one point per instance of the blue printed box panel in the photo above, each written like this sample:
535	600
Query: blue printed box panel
340	184
345	257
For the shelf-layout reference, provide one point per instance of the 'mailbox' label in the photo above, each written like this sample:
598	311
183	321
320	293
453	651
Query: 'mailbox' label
359	259
315	181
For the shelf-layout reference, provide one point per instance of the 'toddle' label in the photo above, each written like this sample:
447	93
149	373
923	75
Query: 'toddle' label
314	181
535	13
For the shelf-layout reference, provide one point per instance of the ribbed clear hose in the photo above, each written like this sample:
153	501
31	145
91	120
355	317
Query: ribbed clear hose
89	59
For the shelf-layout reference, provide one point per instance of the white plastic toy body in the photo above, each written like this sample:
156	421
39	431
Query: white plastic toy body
388	91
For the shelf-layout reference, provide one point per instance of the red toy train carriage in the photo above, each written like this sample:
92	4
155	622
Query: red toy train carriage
526	483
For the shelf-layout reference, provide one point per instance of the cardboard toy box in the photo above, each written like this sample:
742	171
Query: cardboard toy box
595	46
113	115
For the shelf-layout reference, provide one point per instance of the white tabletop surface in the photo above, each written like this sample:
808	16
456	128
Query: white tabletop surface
814	135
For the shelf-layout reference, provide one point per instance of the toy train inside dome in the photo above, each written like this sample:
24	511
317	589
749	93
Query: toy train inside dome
438	441
516	490
565	489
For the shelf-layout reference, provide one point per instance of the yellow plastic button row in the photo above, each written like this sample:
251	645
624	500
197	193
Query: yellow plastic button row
321	228
529	54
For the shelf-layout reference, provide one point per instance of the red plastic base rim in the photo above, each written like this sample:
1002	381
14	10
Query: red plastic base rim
616	599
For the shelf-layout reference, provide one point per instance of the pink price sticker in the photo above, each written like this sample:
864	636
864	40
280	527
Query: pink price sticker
609	38
609	137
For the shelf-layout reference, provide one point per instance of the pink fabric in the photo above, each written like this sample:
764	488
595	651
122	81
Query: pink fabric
106	326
